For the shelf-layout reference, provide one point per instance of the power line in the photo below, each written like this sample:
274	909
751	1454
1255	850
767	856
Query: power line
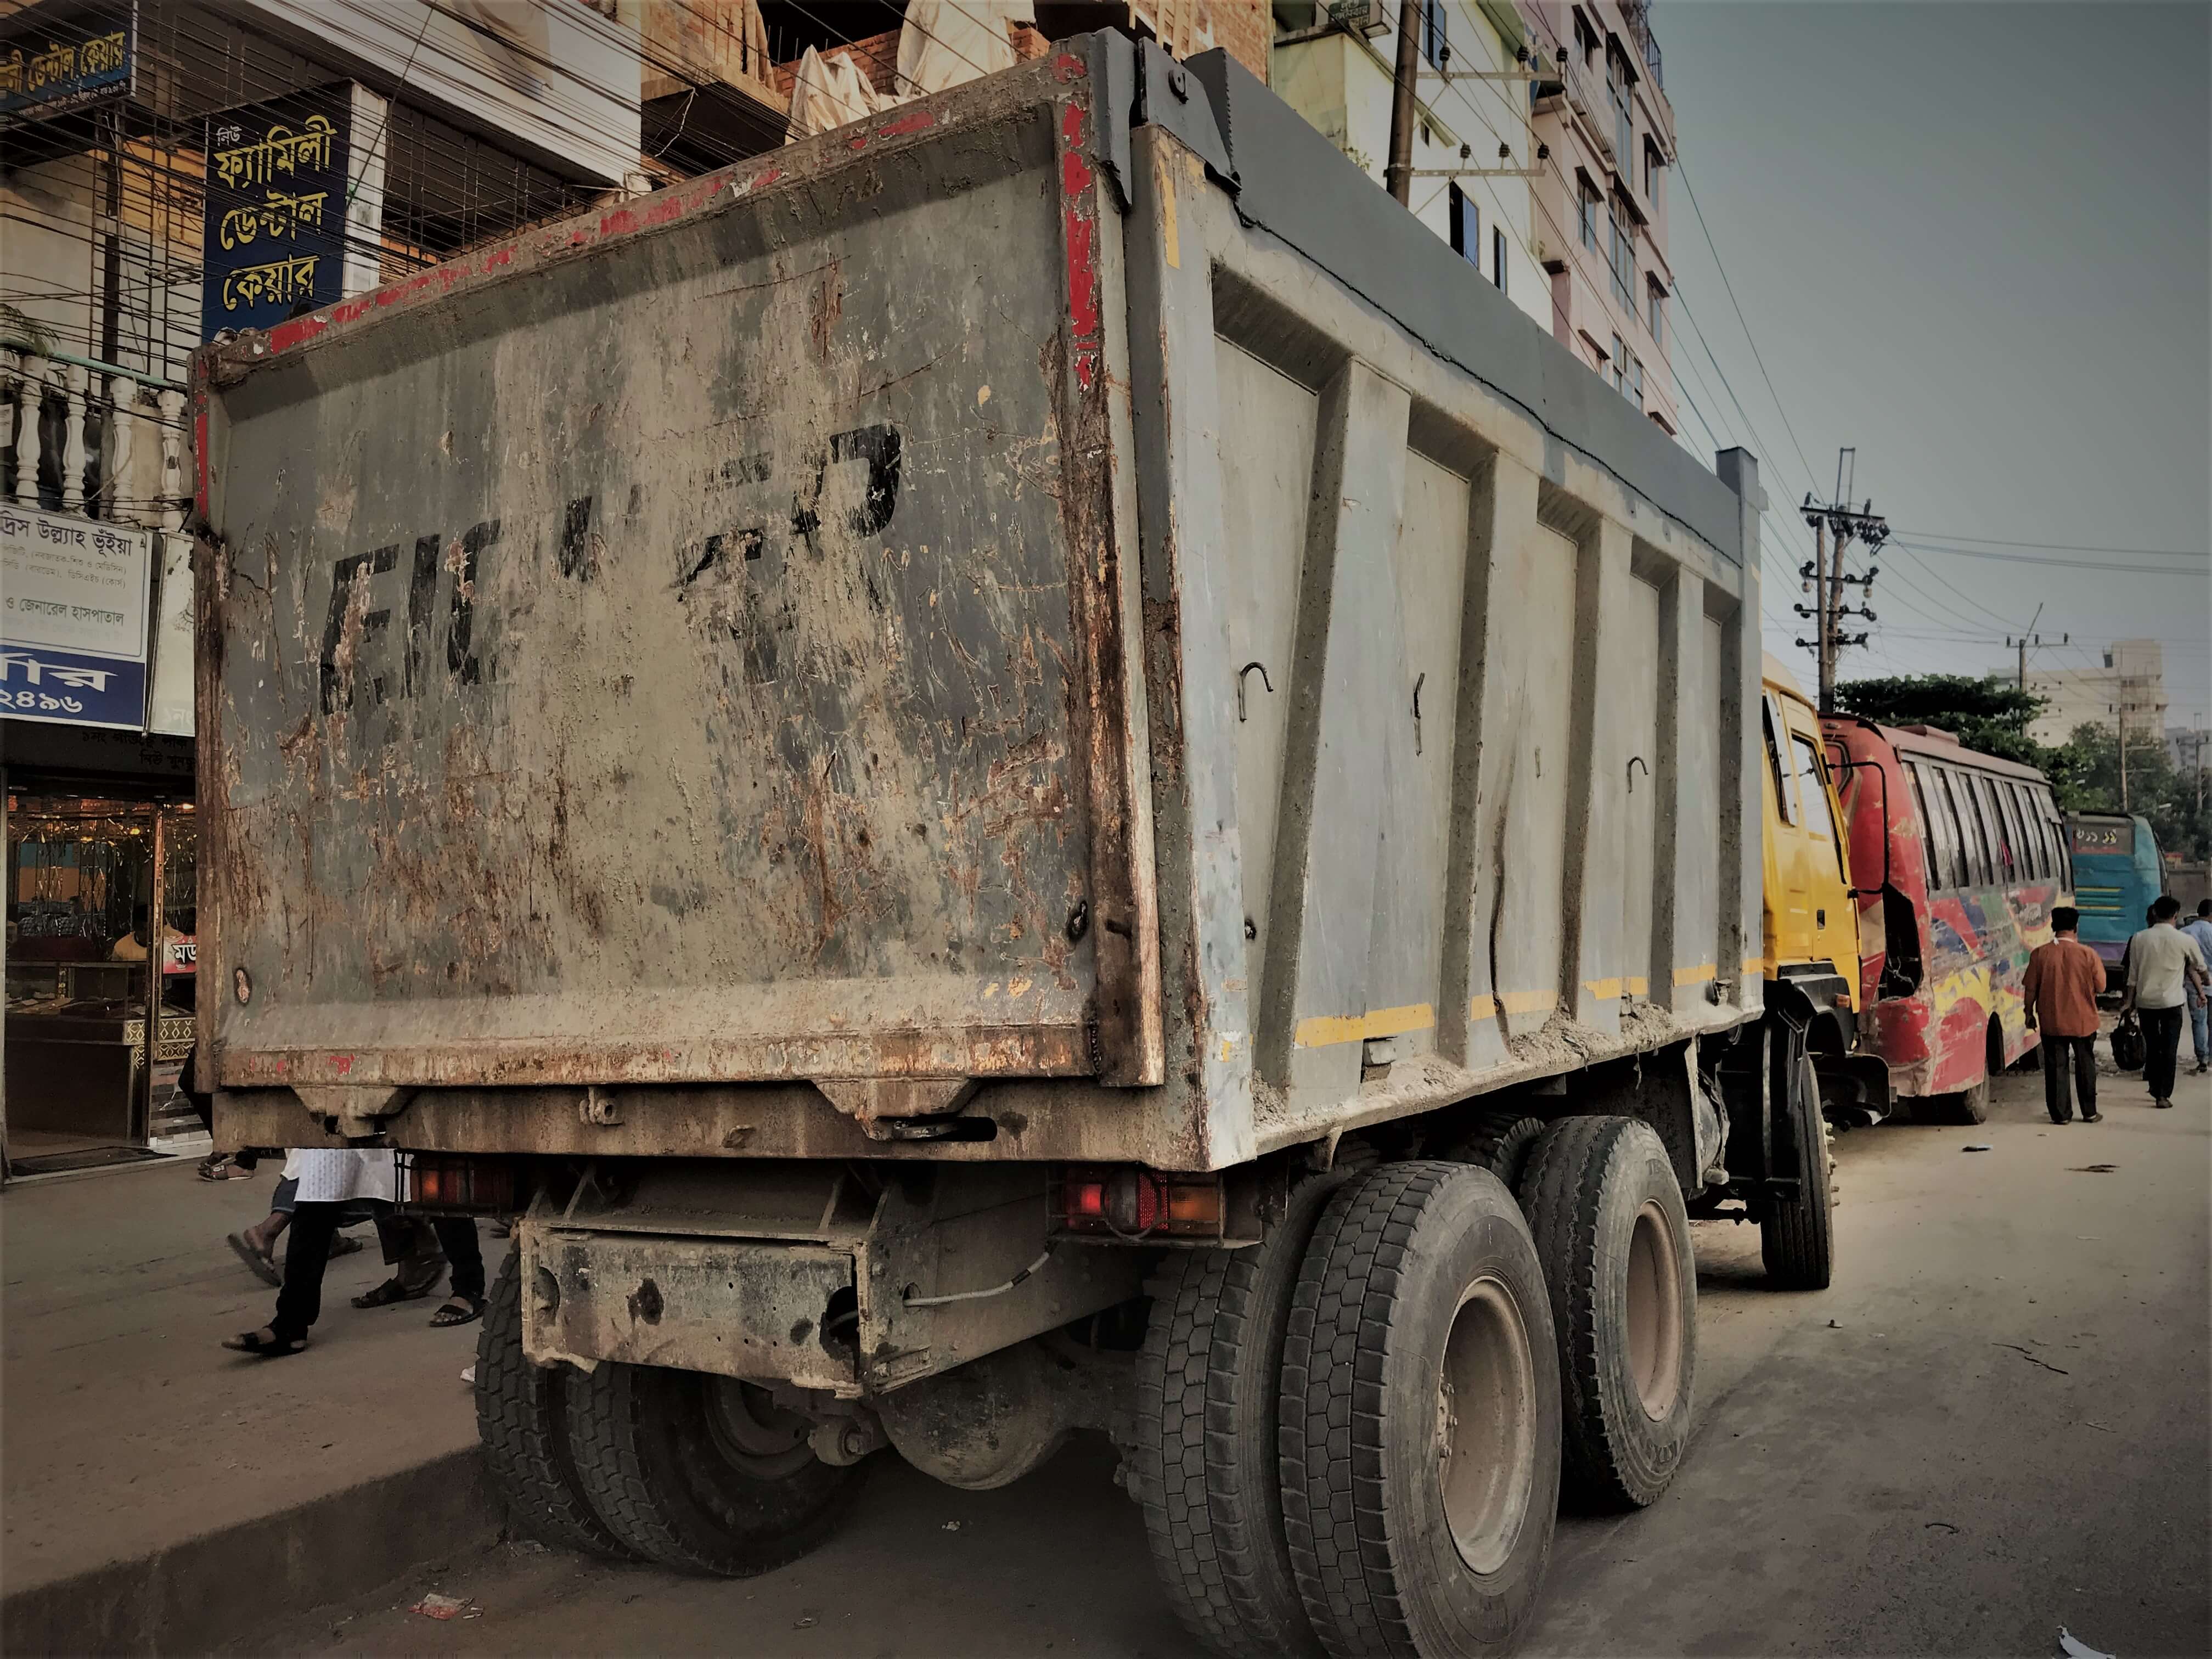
2058	546
2066	564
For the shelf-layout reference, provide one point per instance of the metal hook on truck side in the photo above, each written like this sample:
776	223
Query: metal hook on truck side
1264	680
1635	761
1418	679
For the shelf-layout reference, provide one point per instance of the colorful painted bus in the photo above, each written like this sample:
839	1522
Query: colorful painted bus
1958	860
2118	872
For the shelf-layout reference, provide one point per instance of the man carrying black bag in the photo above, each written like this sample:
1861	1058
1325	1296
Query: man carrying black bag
2163	962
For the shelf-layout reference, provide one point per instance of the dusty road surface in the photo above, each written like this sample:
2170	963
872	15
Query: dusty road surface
1995	1424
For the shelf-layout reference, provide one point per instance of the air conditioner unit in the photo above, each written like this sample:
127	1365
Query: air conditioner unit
1367	17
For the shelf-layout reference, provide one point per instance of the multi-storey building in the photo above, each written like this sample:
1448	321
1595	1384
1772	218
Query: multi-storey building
1601	207
1474	154
2127	693
1542	141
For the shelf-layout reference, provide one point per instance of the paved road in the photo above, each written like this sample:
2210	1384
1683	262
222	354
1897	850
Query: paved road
1995	1424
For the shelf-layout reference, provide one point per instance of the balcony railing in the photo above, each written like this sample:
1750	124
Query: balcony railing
91	438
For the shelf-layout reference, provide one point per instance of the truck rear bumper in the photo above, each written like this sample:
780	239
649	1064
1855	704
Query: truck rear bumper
799	1273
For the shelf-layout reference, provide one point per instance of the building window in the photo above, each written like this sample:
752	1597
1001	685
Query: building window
1624	125
1620	366
1498	257
1588	210
1466	227
1621	254
1433	45
1636	381
1658	316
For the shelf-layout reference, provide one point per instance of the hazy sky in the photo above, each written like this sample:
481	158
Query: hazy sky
1974	240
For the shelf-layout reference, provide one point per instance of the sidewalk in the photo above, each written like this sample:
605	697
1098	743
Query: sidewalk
163	1495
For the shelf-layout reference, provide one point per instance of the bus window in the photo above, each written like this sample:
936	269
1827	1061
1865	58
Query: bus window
2004	865
1972	835
2028	861
1813	792
1785	801
1965	868
2031	833
2055	829
1938	830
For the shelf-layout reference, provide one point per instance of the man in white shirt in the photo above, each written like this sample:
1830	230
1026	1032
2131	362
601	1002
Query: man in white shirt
2164	967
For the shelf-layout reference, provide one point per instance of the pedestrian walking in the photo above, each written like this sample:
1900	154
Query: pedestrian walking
333	1184
2199	927
2164	963
2063	980
336	1188
422	1247
257	1245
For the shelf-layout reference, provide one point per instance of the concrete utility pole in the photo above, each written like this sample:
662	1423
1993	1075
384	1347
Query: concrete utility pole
1824	578
2031	637
1398	174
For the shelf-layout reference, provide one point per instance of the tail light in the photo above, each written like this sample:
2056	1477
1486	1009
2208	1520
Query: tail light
443	1180
1122	1201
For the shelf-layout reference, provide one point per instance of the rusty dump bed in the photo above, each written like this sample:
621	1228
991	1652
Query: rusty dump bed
1001	613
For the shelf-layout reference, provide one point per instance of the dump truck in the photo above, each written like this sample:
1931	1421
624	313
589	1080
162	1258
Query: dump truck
1026	767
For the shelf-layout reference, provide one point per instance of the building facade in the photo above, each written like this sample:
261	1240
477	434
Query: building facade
2127	692
1473	148
1542	141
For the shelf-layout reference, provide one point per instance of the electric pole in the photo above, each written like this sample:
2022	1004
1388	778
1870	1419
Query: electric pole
1398	174
2020	679
1835	527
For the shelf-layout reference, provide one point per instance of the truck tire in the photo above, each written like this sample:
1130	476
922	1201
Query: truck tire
1606	1213
700	1473
1419	1416
522	1420
1797	1239
1499	1140
1207	1469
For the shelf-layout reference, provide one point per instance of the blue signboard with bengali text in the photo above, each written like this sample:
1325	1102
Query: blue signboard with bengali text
274	241
64	55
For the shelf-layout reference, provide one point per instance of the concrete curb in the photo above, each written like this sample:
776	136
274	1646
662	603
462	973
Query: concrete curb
227	1587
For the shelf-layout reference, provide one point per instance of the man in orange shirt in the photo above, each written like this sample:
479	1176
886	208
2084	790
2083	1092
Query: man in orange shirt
2063	979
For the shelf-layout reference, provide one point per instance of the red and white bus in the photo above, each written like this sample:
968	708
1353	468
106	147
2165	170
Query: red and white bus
1958	860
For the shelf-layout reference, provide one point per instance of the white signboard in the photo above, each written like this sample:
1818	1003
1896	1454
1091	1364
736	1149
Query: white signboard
169	709
73	603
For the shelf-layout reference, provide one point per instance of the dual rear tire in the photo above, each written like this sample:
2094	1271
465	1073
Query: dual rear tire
1349	1437
637	1462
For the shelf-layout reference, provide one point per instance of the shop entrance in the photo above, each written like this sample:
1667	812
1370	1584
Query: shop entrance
100	978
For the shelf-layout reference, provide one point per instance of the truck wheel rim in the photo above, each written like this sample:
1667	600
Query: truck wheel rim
754	1436
1486	1425
1655	1312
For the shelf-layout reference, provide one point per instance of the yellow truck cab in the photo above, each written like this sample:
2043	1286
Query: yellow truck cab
1810	936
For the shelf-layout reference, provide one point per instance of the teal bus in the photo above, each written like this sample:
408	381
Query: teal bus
2117	873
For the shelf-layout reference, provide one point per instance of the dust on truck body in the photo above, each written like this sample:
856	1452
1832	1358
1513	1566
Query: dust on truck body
998	768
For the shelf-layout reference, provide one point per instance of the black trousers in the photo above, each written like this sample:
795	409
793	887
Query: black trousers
307	1253
2058	1052
2162	1030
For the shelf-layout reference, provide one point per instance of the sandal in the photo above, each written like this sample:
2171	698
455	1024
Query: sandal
390	1292
266	1344
263	1262
220	1168
346	1244
458	1310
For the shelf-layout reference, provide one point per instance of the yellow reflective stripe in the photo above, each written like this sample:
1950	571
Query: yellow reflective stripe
1530	1002
1482	1008
1605	990
1326	1030
1697	975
